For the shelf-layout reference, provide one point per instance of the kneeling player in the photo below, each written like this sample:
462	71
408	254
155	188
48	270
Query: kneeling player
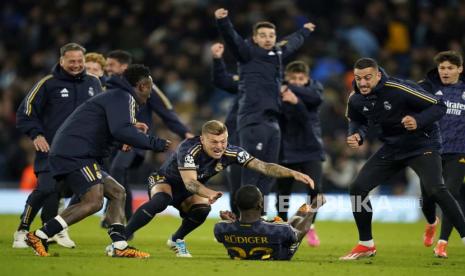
251	238
180	181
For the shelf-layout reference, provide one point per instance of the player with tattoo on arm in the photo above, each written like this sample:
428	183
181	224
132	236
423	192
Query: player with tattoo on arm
180	181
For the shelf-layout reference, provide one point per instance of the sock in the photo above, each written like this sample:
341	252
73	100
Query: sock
52	227
147	211
116	232
120	244
369	243
39	233
193	219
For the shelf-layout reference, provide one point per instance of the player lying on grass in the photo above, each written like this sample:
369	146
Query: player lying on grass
180	181
251	238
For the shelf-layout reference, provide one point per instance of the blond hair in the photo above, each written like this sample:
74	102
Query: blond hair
96	57
214	127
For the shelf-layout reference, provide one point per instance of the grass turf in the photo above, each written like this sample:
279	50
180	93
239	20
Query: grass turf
400	252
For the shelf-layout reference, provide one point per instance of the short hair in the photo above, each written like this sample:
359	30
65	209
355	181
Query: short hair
121	56
135	73
95	57
263	24
450	56
297	66
214	127
366	63
247	197
71	47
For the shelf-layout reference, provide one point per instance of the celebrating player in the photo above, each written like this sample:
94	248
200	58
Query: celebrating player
180	181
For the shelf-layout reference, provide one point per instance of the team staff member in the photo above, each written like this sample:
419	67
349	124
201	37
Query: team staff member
447	82
406	116
260	65
41	113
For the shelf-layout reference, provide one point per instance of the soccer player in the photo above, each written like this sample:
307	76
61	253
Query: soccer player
251	238
447	82
45	108
301	143
116	63
406	116
260	63
180	181
84	139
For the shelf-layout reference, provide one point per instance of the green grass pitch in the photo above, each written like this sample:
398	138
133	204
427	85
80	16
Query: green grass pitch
400	252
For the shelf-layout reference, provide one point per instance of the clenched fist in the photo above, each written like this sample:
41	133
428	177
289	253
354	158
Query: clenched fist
354	141
217	50
221	13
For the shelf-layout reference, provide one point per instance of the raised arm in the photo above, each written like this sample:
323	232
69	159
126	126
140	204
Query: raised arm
295	40
235	42
221	77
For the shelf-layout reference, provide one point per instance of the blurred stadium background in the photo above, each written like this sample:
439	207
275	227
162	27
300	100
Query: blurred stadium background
173	38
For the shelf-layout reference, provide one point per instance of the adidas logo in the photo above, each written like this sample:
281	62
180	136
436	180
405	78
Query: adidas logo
271	53
365	108
438	93
64	93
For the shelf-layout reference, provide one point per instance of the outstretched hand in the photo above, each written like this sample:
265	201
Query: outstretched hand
303	178
213	197
310	26
228	215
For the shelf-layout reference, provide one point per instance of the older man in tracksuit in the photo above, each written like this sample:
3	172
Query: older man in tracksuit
41	113
260	76
407	118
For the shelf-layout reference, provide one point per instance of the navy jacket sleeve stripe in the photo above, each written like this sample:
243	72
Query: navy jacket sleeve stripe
163	98
412	91
161	105
33	93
